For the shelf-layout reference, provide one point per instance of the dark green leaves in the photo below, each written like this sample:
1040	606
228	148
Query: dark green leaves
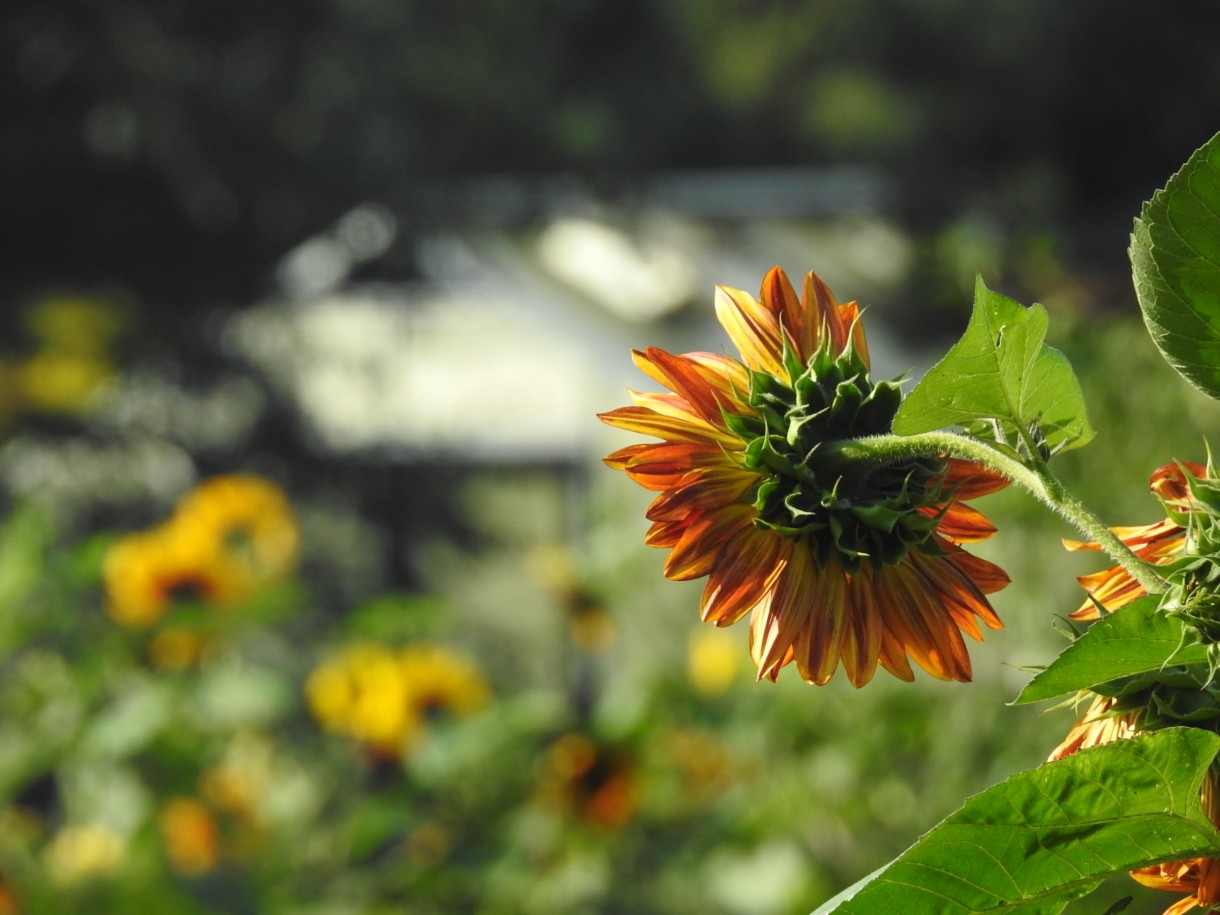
1046	836
1175	262
1137	639
1001	370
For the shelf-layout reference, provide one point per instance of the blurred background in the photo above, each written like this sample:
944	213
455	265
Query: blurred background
314	595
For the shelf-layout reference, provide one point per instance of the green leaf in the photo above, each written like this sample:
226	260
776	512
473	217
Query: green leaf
1001	370
1136	639
1175	263
1034	842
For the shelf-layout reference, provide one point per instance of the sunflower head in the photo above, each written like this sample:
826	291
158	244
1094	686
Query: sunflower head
766	486
842	507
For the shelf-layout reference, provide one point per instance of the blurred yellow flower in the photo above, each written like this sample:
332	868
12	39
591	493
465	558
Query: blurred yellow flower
713	661
228	537
247	519
590	781
71	360
191	837
82	852
383	697
146	572
51	381
240	781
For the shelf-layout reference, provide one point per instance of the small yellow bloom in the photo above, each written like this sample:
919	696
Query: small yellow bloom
190	834
713	661
383	697
241	780
247	519
86	851
227	538
147	572
60	382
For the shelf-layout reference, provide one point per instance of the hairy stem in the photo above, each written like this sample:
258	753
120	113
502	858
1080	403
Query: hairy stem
1035	478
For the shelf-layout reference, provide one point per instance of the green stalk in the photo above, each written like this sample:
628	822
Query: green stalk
1035	478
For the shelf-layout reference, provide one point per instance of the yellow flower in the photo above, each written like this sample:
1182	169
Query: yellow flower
713	663
834	562
1199	878
60	382
147	572
384	697
247	519
228	537
84	851
190	834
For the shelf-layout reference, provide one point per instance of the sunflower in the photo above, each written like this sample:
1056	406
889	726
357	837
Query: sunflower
834	561
1159	543
1199	878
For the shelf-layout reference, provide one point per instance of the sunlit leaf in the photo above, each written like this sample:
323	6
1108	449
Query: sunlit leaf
1049	835
1136	639
1175	263
1001	370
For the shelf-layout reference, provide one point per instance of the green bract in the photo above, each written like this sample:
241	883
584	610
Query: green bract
854	509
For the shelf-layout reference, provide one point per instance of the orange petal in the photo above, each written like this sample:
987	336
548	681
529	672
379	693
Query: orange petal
672	429
823	598
704	391
967	480
709	488
961	523
748	571
752	328
862	641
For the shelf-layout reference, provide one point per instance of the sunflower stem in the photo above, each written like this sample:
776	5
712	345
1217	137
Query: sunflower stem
1034	477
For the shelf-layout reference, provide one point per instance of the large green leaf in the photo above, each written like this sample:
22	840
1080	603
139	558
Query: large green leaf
1046	836
1001	370
1136	639
1175	263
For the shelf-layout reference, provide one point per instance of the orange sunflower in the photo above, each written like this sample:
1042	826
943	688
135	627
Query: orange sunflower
834	560
1199	878
1158	543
